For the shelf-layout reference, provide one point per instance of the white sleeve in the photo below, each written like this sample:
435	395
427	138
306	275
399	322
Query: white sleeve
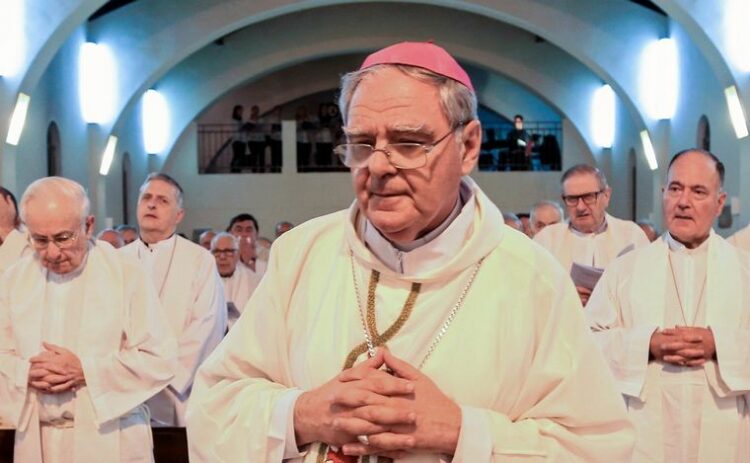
625	349
733	357
205	328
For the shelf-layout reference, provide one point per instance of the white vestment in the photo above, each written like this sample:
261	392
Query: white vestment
237	290
592	249
109	316
741	239
517	358
189	287
682	414
13	248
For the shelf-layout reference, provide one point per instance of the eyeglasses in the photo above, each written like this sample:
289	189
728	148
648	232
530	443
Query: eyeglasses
64	240
400	155
223	252
587	198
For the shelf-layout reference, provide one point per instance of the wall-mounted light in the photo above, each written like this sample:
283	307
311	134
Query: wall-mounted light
648	150
659	79
603	116
18	119
155	120
736	114
12	37
737	34
108	155
97	82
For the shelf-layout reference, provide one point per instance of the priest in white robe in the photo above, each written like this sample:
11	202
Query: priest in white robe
185	277
13	242
590	237
238	280
82	342
489	358
245	227
673	320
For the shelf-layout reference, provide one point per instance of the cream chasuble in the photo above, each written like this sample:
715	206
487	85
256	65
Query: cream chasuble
592	249
13	248
191	294
682	414
109	316
513	357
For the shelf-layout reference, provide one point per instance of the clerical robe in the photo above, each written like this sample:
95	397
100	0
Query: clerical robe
741	239
681	414
109	316
517	357
13	248
592	249
189	287
238	288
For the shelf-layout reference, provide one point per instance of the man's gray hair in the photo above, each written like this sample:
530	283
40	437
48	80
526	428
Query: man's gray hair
546	203
125	227
459	104
164	178
220	235
582	169
59	188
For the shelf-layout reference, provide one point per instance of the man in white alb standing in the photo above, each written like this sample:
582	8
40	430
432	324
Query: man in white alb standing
673	320
82	343
185	277
485	338
590	238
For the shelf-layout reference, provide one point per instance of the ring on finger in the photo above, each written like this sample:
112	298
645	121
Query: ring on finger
363	439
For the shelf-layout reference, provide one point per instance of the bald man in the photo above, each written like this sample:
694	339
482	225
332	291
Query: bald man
82	339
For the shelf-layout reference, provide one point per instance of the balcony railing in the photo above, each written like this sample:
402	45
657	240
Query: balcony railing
257	148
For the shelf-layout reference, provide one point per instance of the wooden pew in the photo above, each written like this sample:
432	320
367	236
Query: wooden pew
170	445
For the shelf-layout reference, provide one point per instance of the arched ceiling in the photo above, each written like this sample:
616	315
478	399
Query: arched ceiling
153	40
155	36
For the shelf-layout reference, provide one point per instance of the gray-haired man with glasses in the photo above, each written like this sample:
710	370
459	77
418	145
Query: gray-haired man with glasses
82	342
414	326
590	239
238	280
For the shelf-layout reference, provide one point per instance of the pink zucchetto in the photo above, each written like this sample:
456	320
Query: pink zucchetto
425	55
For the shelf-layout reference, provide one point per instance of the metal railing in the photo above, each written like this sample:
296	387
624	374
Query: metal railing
256	148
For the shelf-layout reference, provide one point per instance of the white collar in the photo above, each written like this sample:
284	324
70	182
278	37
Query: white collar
436	247
160	246
676	246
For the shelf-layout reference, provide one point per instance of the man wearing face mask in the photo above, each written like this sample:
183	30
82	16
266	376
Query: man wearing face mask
413	326
82	343
673	320
590	239
519	145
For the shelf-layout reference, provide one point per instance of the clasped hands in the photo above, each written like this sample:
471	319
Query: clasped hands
55	370
683	345
401	412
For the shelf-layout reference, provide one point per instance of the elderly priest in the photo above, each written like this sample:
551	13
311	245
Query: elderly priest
485	356
82	343
673	320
